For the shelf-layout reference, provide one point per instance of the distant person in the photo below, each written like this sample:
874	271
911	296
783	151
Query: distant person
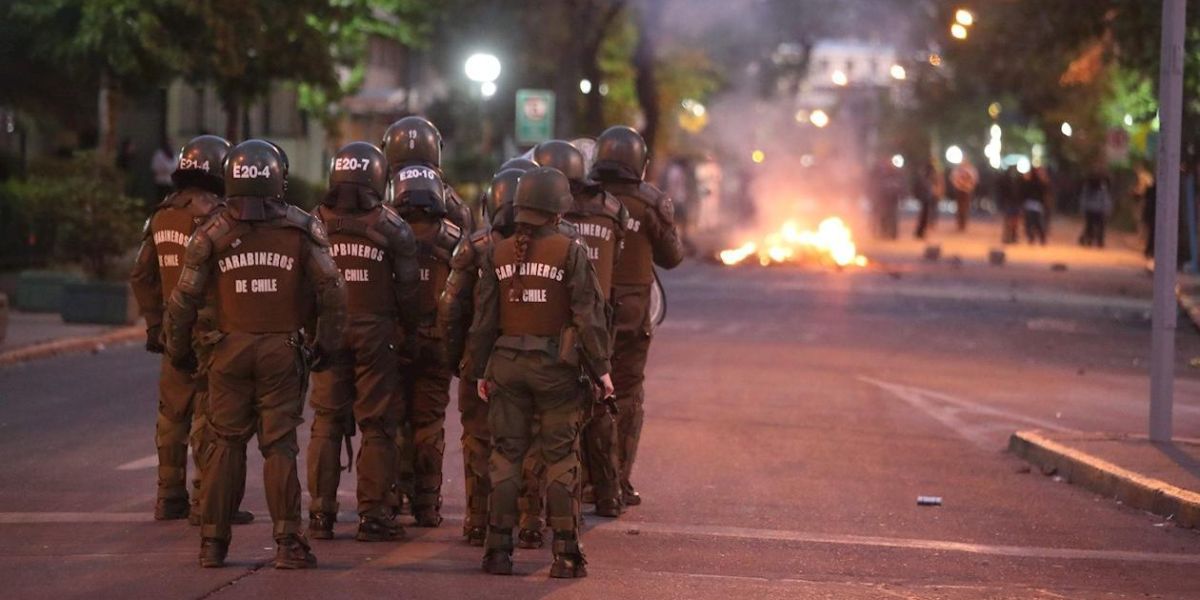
886	189
1033	191
1096	202
964	178
1008	197
162	164
927	188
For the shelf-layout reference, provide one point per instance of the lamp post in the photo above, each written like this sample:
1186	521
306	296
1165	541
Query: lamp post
483	69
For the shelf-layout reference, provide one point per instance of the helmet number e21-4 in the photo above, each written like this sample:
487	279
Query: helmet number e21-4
351	164
191	164
250	171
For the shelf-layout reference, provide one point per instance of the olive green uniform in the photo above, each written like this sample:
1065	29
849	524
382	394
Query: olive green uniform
425	380
181	419
376	254
520	316
650	239
266	274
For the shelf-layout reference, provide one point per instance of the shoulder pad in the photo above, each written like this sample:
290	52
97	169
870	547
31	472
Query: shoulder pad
201	204
397	234
612	206
568	229
303	221
659	200
481	237
220	229
391	217
448	235
463	257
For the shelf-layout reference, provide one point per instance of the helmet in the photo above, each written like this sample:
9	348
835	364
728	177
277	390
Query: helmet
504	189
542	194
200	163
417	189
518	162
412	140
620	154
255	168
359	163
562	156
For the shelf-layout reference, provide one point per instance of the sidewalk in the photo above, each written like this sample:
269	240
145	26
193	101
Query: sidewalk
38	335
1162	478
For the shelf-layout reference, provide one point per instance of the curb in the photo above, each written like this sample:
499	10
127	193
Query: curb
1105	478
74	344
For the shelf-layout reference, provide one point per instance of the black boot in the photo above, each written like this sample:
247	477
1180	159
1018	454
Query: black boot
475	536
497	562
629	496
608	507
377	529
242	517
530	539
320	525
292	552
213	552
171	509
428	516
569	562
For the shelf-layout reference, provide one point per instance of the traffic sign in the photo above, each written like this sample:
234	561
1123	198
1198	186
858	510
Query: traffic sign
535	116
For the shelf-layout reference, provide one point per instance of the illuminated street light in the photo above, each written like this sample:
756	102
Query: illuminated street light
954	155
898	161
585	86
757	156
603	89
898	73
935	59
839	78
958	31
964	17
1129	120
482	68
488	89
1066	129
994	110
819	118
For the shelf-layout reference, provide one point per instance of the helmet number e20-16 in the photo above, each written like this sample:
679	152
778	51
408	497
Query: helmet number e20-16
250	171
351	164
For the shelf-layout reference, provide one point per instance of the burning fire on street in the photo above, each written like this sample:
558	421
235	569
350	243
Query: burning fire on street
831	243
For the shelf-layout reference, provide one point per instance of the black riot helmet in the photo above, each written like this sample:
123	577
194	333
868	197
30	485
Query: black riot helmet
504	189
621	154
518	162
201	163
561	155
256	168
359	163
543	194
412	140
417	191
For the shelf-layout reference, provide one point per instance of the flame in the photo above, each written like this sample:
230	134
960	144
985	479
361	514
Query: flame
831	240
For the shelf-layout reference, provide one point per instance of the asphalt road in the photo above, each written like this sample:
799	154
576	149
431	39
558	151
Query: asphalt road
793	417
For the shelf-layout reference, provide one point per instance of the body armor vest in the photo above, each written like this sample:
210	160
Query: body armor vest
259	282
363	260
170	229
636	263
598	226
435	246
534	299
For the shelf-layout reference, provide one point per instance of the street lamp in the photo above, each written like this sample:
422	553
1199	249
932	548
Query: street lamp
483	69
1066	129
954	155
964	17
839	78
898	73
958	31
819	118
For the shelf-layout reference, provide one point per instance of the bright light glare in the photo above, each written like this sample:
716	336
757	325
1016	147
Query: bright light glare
604	89
807	160
958	31
802	116
1129	120
994	110
898	161
839	78
954	155
935	59
488	89
758	156
1023	165
585	86
819	118
1066	129
482	67
964	17
898	73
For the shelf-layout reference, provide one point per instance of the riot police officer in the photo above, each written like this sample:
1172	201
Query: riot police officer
518	162
601	220
416	192
415	142
650	239
269	266
376	253
455	309
199	181
539	319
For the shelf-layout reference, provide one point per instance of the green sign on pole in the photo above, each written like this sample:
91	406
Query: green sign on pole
535	116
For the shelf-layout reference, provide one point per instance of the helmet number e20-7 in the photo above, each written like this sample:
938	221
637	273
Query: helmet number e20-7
351	164
250	171
191	164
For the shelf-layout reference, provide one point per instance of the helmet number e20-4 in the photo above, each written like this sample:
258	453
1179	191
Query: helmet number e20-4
351	164
250	171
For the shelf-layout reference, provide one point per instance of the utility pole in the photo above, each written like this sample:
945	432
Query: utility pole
1166	221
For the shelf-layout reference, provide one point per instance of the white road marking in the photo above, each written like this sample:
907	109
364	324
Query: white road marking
946	409
740	533
145	462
